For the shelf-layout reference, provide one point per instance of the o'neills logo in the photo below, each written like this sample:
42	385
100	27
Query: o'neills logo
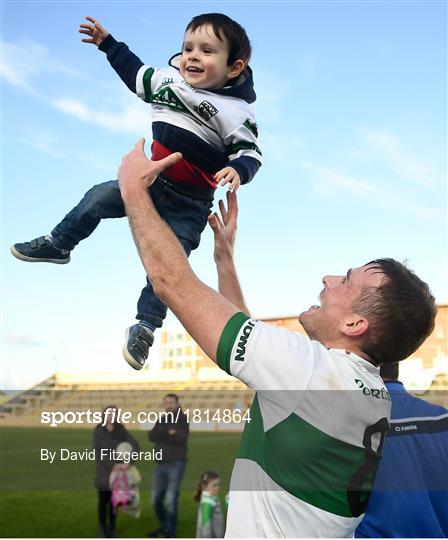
241	347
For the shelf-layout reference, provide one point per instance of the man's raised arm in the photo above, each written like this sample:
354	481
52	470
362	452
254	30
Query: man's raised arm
202	311
224	230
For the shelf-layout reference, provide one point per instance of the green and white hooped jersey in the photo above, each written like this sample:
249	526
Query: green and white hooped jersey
309	454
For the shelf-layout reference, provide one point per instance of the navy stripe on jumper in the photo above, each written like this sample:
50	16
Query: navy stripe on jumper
192	147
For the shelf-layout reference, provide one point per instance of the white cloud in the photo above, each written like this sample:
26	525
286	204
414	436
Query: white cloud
271	98
338	179
27	60
25	64
373	193
133	118
15	338
72	107
47	143
283	148
391	176
390	149
93	160
42	141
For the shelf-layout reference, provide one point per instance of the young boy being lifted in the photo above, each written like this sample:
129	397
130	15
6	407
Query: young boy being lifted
201	108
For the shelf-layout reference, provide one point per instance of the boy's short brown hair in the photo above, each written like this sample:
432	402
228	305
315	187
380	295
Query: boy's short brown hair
239	44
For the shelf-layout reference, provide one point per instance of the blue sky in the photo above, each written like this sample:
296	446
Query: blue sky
352	117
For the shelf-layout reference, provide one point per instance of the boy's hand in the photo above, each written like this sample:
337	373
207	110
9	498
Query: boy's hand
228	175
96	32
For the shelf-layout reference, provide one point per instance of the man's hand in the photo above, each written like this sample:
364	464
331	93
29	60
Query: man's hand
228	175
224	228
137	172
96	32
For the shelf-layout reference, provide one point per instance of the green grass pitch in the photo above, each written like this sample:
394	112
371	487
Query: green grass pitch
39	499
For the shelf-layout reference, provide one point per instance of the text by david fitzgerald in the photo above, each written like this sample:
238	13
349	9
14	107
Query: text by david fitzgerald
104	454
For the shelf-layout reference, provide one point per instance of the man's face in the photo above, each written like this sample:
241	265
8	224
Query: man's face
203	63
327	322
170	404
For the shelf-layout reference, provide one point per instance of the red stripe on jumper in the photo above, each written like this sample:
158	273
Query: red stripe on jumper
183	172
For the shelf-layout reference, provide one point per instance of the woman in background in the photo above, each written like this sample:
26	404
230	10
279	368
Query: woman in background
108	435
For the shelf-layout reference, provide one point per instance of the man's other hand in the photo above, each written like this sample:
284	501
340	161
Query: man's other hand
224	227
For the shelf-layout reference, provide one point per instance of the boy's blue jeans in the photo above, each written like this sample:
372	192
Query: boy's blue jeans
186	216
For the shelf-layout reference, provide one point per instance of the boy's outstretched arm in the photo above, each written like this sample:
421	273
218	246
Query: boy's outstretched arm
203	312
124	61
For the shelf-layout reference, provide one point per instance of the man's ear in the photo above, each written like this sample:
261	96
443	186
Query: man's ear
354	326
236	69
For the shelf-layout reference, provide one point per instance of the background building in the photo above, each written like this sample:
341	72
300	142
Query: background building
430	360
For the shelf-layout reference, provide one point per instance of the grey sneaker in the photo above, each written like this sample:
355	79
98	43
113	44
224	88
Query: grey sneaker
137	342
40	250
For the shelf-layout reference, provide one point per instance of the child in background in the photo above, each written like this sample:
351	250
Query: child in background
201	108
124	483
210	523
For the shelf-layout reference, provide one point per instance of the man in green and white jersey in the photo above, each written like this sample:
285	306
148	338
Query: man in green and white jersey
308	457
310	450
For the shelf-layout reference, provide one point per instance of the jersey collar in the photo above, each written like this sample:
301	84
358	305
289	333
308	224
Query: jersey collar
358	359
